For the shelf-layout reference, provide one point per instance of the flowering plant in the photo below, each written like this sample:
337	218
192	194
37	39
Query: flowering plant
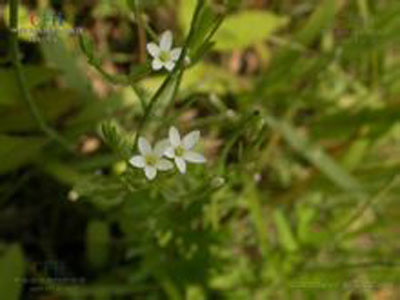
208	151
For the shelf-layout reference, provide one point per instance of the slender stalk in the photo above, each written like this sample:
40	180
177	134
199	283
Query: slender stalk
141	33
178	71
51	133
364	207
258	218
150	31
363	9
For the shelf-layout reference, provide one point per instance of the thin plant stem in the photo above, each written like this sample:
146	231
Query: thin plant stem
150	31
50	132
176	72
141	33
364	207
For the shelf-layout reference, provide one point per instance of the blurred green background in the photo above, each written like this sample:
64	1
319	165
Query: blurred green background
298	104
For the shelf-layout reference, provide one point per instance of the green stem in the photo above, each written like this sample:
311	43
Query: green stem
151	32
51	133
363	9
141	22
178	71
232	141
364	207
120	80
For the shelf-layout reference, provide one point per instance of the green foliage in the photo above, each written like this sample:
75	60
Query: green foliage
18	151
35	76
12	270
238	31
297	105
54	104
98	244
317	157
113	135
321	19
284	232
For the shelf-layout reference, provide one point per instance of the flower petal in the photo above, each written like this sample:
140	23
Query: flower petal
174	137
170	152
161	147
153	49
191	139
166	41
144	146
181	164
137	161
194	157
164	165
157	64
176	53
150	172
169	65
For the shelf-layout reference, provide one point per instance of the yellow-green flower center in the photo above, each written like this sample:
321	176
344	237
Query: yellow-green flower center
179	151
165	56
151	160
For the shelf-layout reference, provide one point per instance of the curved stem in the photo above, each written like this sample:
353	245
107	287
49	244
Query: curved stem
50	132
346	228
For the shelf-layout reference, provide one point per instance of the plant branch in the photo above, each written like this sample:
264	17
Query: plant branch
50	132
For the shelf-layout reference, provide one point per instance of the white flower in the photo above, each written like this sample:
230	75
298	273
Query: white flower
151	160
163	54
181	149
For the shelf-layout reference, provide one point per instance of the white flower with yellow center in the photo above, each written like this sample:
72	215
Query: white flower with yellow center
181	149
151	160
163	54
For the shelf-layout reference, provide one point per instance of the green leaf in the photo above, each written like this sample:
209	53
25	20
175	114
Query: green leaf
285	233
105	8
344	124
87	45
64	58
186	10
305	217
138	72
53	103
247	28
17	151
208	78
94	112
317	157
98	243
117	138
321	19
104	192
203	22
9	88
355	154
233	4
163	97
166	97
63	172
12	268
256	209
